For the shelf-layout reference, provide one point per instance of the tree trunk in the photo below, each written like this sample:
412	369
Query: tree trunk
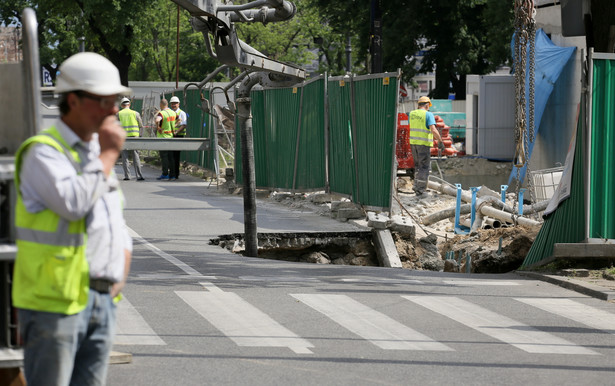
122	61
459	87
443	77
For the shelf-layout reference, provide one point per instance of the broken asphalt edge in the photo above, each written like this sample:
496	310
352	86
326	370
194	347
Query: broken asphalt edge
572	284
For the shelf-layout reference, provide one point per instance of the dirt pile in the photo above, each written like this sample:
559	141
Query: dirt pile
489	250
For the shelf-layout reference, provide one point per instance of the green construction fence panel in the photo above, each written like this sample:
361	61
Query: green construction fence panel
310	162
136	104
259	137
602	176
290	143
288	134
375	104
567	223
362	126
281	107
342	176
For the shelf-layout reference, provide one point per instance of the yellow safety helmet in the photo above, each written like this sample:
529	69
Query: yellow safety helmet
425	99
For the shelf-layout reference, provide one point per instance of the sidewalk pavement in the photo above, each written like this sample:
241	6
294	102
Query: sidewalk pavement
574	284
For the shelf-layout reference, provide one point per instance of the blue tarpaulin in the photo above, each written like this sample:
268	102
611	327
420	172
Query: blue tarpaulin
549	62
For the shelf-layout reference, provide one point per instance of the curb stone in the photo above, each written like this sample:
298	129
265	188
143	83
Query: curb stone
574	285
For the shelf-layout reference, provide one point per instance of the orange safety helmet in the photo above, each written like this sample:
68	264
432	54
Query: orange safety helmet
425	99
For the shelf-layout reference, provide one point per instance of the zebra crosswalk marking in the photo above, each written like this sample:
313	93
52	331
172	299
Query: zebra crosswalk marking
243	323
132	329
372	325
498	326
579	312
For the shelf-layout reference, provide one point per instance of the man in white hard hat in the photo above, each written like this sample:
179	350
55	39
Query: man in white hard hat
180	132
132	124
165	122
73	246
422	132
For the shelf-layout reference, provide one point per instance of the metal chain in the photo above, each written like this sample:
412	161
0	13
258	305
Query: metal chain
525	28
531	126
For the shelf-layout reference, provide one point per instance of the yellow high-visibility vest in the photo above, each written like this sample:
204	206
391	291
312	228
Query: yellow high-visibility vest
128	118
51	271
419	133
183	130
168	123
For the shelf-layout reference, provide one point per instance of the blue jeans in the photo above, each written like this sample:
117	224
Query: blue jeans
69	349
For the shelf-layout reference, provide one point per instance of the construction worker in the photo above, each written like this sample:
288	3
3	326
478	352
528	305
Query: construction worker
73	246
165	120
180	132
131	122
422	132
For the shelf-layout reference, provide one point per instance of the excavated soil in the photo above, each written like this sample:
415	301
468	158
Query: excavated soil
437	247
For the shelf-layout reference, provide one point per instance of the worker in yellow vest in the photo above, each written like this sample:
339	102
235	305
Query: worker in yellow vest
73	246
180	132
422	132
165	120
132	124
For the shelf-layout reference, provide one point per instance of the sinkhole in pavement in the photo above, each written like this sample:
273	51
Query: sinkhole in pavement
344	248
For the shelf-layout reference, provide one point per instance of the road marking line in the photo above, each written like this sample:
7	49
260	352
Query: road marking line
481	282
210	287
498	326
173	260
372	325
132	329
245	324
169	276
579	312
298	279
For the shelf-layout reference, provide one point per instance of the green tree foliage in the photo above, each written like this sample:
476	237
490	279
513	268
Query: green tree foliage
111	28
340	20
457	37
300	40
136	35
157	59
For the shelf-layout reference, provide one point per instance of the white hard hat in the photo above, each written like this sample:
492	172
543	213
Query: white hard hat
89	72
125	100
174	99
